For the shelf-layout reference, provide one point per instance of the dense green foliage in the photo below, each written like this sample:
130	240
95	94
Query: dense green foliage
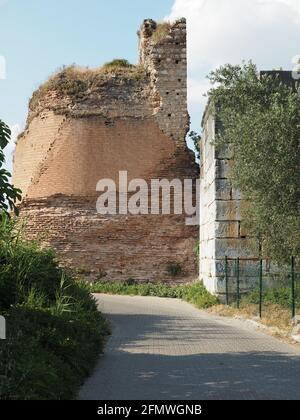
194	293
54	331
118	62
8	194
174	269
196	138
278	295
261	123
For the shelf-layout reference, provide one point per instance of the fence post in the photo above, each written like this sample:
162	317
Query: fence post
226	280
238	282
260	287
293	287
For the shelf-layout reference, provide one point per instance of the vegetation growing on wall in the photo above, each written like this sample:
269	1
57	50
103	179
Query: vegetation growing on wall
174	269
162	30
74	81
118	63
261	121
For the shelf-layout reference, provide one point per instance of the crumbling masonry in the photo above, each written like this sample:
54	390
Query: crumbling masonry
78	132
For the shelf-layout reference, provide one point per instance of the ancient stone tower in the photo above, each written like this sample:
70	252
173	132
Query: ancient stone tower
87	125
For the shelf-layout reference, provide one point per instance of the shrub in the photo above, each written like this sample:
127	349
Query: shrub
199	296
260	120
51	323
161	32
118	63
194	293
24	266
76	82
281	296
9	195
130	282
174	270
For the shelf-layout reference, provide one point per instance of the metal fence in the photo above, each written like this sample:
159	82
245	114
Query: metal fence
284	283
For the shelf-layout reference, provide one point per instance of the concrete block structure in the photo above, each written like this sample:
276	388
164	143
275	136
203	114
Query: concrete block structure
221	230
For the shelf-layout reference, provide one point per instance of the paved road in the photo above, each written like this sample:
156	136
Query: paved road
167	349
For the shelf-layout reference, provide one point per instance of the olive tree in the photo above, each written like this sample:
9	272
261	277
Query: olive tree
260	118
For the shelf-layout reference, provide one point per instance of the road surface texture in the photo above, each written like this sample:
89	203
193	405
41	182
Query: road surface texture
166	349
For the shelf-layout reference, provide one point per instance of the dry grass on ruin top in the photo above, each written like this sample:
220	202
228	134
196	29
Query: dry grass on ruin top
74	80
161	31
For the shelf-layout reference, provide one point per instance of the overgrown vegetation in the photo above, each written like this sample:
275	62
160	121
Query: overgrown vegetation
75	81
8	194
197	253
54	331
174	269
261	122
274	316
196	138
161	31
276	309
117	63
281	296
194	293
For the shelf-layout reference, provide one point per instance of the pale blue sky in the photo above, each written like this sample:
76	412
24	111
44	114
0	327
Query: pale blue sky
39	36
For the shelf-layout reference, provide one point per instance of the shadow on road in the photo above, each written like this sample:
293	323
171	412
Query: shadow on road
182	357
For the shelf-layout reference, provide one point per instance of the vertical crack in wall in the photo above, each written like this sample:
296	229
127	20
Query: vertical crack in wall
50	155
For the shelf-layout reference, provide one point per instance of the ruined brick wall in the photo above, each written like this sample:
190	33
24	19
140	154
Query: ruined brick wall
69	156
135	122
166	60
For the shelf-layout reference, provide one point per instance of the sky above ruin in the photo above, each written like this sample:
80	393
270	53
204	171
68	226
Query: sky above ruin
39	36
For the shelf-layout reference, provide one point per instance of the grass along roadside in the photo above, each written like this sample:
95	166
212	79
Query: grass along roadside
54	330
275	317
276	308
194	293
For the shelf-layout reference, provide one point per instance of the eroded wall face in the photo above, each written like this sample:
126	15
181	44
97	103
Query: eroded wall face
33	149
68	156
60	204
166	62
136	125
221	229
114	247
